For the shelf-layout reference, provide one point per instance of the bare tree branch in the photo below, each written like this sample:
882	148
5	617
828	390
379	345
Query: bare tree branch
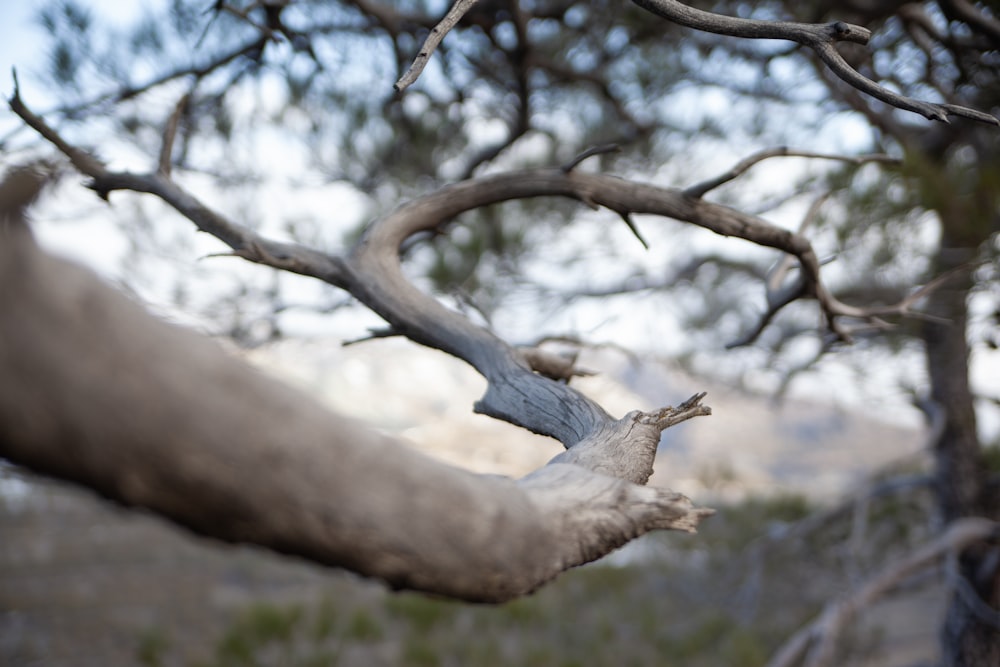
820	37
700	189
244	242
169	134
437	33
779	293
372	272
96	391
817	641
602	149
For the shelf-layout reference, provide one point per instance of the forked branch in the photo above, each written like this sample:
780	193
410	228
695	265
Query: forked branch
821	38
204	440
372	270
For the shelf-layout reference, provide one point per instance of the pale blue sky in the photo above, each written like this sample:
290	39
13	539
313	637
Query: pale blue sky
21	42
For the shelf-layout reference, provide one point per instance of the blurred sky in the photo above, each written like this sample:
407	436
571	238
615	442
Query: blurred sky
21	45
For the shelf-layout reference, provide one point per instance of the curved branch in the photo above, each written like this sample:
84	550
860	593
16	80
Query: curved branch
373	274
700	189
820	37
829	55
807	34
158	417
553	409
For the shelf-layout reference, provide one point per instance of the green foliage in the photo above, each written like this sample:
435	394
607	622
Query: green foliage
421	613
364	627
153	647
728	596
736	526
267	634
594	616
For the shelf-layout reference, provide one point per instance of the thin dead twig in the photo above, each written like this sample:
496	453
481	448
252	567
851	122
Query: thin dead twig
437	33
741	167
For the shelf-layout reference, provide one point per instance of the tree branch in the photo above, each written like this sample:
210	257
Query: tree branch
820	37
169	135
245	243
820	637
98	392
372	271
700	189
437	33
982	23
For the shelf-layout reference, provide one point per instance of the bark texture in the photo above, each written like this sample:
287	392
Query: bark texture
96	391
970	635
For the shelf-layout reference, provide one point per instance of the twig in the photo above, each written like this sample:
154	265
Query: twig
778	294
169	134
244	242
602	149
197	71
437	33
373	334
741	167
82	160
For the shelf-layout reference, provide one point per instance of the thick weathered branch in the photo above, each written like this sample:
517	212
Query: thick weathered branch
821	38
96	391
600	486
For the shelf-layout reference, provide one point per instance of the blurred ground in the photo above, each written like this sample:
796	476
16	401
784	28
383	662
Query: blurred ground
86	583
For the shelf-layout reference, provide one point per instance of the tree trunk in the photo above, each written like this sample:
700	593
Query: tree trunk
968	638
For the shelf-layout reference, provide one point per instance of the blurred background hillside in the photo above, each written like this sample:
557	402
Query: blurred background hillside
87	583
